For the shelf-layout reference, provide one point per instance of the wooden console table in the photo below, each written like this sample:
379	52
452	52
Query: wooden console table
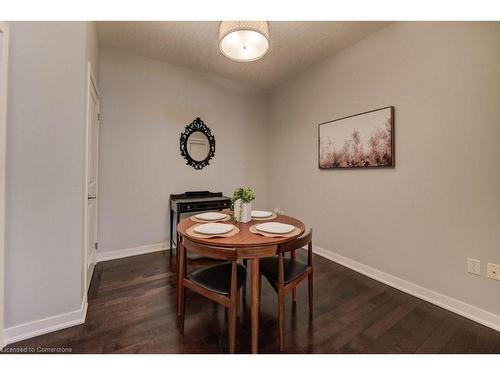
194	201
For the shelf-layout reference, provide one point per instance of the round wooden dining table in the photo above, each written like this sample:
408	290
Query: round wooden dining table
249	246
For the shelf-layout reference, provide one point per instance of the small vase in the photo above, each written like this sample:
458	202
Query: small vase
246	211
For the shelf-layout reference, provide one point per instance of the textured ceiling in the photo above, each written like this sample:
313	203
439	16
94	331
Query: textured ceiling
294	46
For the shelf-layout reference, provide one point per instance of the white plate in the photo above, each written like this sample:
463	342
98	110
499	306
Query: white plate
261	214
210	216
275	228
214	228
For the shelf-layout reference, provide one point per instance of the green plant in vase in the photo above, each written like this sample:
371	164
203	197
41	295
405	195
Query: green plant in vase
242	204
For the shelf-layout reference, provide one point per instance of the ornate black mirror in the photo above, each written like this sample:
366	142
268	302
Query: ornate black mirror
197	144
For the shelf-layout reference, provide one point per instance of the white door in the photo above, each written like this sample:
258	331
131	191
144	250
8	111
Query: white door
92	177
4	39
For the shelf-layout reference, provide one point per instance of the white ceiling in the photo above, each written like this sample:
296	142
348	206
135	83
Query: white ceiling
294	46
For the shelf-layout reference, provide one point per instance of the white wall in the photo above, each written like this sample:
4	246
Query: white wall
145	106
440	204
45	125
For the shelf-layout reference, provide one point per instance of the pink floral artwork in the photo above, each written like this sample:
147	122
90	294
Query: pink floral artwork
359	141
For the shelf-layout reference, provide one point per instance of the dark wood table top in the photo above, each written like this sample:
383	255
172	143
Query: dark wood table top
244	238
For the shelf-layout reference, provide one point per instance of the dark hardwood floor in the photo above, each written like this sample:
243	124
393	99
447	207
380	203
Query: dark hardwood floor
132	309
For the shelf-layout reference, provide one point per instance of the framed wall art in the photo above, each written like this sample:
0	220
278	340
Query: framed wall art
364	140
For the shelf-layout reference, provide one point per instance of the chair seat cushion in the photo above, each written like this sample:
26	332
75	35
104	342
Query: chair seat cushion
269	267
217	278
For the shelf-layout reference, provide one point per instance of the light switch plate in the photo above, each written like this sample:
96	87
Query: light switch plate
493	271
474	266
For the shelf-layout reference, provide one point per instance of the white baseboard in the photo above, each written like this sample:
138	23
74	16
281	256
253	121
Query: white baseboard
471	312
46	325
131	251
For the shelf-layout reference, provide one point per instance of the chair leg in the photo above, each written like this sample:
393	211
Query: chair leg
182	309
232	324
281	313
310	285
294	290
180	278
244	287
177	271
176	254
238	302
260	285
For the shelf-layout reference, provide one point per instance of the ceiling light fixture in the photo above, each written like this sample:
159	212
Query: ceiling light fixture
244	40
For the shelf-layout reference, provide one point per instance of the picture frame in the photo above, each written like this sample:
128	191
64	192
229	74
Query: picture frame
362	140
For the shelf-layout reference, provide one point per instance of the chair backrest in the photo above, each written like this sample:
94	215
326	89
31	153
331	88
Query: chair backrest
297	243
220	253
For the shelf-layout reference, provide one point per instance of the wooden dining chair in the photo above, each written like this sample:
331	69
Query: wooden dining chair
284	274
220	282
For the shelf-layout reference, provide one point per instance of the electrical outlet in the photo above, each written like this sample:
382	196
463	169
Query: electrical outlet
474	266
493	271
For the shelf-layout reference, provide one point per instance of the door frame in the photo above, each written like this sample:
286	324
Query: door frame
4	31
91	87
